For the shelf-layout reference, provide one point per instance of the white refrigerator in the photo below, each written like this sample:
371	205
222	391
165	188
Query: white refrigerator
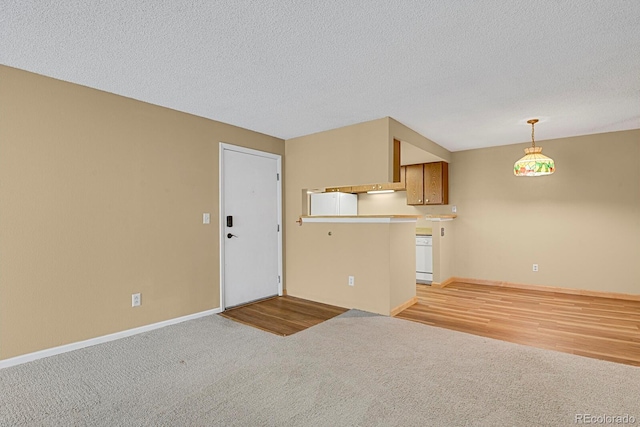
334	204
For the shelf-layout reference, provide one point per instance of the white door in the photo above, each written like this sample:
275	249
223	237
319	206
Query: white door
250	208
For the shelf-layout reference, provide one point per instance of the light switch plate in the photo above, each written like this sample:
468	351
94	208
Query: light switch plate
454	209
206	218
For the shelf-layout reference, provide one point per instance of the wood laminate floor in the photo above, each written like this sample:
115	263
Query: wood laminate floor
601	328
283	315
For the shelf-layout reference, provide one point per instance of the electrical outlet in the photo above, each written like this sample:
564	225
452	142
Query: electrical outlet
352	280
535	267
454	209
135	300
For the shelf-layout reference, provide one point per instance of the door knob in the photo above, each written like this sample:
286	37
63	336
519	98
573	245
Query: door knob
229	235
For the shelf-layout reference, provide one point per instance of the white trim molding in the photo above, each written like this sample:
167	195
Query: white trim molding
18	360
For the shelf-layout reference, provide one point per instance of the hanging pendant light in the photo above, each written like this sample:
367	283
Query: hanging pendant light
534	163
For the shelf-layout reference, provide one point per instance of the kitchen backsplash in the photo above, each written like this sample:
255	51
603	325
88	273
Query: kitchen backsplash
396	204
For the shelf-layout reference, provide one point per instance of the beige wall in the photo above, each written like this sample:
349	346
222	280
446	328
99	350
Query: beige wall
352	155
102	196
381	257
356	154
444	257
401	132
402	259
581	224
396	203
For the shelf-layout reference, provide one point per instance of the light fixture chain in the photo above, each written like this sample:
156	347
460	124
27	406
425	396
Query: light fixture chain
533	141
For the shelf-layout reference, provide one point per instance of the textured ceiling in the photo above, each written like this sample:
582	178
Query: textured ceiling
465	74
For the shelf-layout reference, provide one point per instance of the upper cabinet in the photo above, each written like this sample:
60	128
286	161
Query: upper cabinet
427	184
436	183
415	184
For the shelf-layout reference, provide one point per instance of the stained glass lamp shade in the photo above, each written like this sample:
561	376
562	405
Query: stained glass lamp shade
534	163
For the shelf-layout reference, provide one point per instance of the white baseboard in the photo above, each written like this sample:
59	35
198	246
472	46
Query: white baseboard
18	360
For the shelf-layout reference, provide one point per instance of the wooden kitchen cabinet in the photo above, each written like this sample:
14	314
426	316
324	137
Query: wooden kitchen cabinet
415	184
436	183
428	184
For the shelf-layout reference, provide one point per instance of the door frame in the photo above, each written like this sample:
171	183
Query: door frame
221	223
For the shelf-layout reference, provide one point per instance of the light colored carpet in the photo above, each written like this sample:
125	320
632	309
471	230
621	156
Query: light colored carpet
350	370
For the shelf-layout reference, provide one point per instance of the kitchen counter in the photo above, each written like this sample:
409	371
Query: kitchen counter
445	217
370	219
423	231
